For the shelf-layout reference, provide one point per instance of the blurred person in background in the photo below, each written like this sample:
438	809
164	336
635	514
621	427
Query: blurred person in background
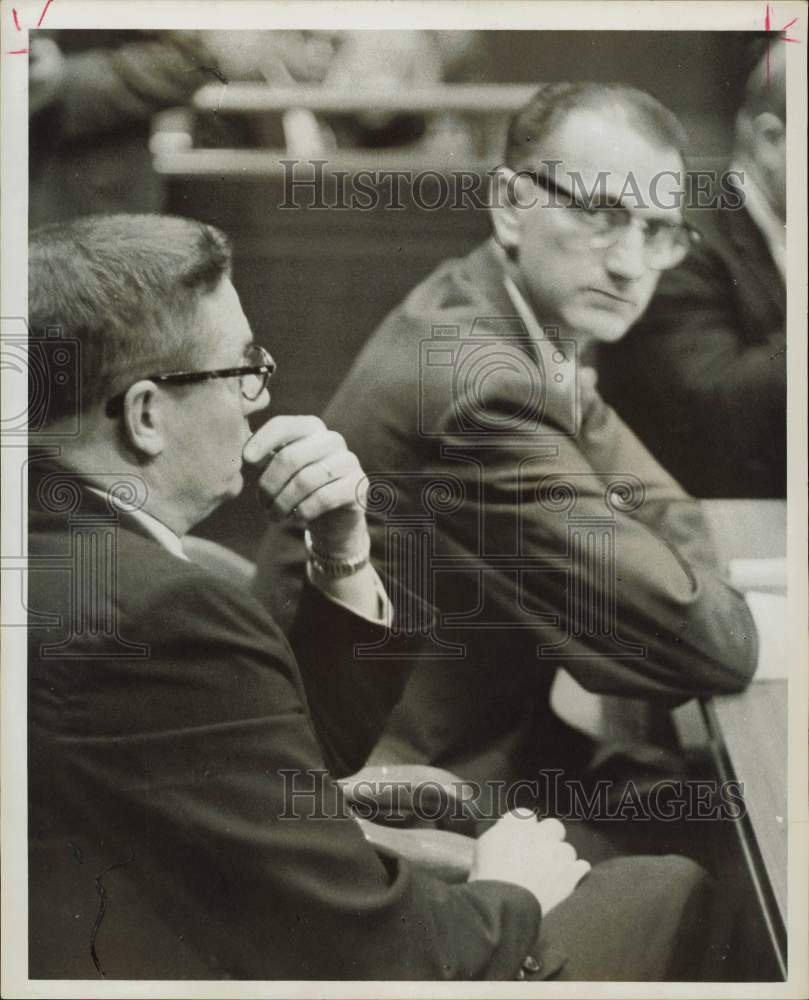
701	377
367	61
92	96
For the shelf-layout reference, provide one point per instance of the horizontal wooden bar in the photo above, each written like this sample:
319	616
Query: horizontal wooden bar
471	98
267	162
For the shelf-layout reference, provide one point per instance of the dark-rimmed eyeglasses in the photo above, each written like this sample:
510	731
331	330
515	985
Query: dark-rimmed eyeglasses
603	224
253	377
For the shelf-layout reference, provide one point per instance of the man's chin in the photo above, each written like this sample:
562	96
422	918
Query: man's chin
603	329
228	492
232	490
236	485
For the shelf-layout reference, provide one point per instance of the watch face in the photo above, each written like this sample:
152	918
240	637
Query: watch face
334	568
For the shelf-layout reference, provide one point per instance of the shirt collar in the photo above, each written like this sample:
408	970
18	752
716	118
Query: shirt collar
562	399
516	297
772	228
159	531
524	311
539	338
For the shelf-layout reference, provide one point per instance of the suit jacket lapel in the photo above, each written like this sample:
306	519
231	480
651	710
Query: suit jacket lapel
761	285
559	402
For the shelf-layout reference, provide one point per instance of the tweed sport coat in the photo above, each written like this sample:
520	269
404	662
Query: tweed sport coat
540	530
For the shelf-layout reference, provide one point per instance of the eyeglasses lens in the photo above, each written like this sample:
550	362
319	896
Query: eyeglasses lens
253	384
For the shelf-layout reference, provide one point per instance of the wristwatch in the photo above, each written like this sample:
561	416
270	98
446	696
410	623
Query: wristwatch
333	568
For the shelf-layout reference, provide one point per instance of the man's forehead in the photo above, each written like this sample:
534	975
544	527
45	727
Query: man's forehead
603	149
225	320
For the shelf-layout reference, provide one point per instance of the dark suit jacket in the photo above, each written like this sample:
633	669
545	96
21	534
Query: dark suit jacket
531	561
702	376
164	709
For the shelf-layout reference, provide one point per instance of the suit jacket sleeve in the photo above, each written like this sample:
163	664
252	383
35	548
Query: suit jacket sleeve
350	695
693	321
718	356
678	628
203	761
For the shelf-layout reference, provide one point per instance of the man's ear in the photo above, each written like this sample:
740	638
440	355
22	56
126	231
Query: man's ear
144	418
770	138
769	129
506	204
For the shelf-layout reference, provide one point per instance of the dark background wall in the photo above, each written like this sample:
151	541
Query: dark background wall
699	75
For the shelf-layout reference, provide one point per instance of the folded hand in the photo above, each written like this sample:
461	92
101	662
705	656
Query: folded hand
530	853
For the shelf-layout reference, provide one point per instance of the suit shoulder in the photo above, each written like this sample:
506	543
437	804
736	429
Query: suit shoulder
191	599
455	293
156	596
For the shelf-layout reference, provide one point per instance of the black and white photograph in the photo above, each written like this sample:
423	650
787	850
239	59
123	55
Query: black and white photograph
404	499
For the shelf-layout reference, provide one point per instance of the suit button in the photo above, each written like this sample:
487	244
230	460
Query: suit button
531	964
520	975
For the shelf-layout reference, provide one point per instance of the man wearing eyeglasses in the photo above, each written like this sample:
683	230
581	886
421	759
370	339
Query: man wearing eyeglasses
562	543
182	822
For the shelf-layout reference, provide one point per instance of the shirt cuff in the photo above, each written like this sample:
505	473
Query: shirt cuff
384	615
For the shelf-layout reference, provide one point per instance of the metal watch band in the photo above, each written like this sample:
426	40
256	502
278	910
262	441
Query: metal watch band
335	568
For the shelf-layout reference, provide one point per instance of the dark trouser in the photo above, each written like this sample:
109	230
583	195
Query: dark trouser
636	919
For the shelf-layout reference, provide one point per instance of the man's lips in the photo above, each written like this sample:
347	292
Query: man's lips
612	296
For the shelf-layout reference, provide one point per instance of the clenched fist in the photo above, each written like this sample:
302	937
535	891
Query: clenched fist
311	476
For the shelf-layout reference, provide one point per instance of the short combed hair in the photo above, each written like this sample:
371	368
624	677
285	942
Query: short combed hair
127	289
553	102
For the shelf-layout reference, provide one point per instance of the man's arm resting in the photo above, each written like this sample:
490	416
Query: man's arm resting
675	627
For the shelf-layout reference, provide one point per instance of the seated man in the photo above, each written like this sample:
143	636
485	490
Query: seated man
507	493
168	716
702	376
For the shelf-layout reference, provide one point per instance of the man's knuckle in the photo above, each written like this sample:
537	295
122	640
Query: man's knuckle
308	478
285	460
567	852
314	507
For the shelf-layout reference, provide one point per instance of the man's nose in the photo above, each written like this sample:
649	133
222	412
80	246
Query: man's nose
626	258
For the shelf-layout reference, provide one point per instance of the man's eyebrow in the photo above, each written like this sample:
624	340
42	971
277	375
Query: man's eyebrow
614	201
599	196
589	195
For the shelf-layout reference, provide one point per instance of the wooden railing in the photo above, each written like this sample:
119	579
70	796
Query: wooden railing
470	98
466	125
